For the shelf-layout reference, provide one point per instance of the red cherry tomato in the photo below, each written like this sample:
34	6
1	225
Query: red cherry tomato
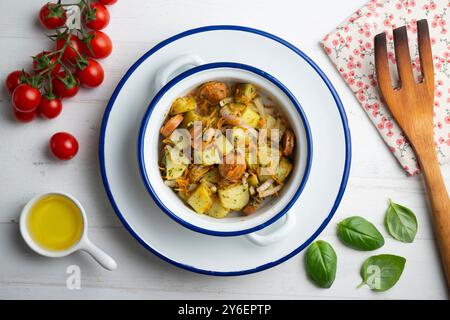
97	45
50	106
44	61
65	85
24	116
63	145
108	2
96	16
52	16
26	98
14	79
74	46
92	74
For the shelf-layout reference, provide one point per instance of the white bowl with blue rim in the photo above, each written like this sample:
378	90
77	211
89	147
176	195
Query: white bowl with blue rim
199	252
149	148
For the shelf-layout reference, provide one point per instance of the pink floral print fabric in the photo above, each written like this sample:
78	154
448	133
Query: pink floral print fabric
350	48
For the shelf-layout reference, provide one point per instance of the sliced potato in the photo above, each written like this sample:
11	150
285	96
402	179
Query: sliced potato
183	194
183	104
250	117
253	180
201	199
245	92
263	176
251	158
210	156
174	170
234	197
197	172
189	118
270	122
181	139
236	108
223	145
239	138
213	176
283	170
264	155
175	164
177	155
217	210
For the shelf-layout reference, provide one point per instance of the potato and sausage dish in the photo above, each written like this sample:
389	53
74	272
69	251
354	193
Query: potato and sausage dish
225	148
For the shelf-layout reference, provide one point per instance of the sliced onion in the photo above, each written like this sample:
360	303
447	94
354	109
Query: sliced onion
265	185
170	183
252	131
260	107
270	192
192	187
225	101
230	118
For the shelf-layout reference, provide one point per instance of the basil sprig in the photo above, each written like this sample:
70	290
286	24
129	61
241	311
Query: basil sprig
321	263
401	222
382	272
360	234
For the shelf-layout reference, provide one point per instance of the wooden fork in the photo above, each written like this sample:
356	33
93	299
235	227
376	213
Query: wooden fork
411	104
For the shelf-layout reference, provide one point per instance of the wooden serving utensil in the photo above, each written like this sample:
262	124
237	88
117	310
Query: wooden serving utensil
411	104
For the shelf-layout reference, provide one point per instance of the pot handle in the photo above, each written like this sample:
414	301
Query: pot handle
99	255
277	235
164	74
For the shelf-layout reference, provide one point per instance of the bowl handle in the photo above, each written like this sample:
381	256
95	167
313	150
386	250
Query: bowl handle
277	235
181	63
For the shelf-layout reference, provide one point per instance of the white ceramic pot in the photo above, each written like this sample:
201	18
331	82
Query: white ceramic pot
149	153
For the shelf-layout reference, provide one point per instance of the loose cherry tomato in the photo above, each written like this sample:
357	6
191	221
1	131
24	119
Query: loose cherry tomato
74	46
14	79
52	16
63	145
50	106
97	44
26	98
46	60
24	116
108	2
96	16
65	85
91	73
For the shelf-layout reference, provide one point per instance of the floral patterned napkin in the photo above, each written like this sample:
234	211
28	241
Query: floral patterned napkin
350	48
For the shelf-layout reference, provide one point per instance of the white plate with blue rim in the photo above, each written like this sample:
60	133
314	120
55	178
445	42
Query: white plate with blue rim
243	245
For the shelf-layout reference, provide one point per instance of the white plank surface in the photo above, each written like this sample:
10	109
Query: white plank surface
136	26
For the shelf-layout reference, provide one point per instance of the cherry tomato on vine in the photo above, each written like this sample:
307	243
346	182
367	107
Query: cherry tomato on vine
50	106
65	85
97	44
46	60
63	145
24	116
108	2
52	16
91	73
14	79
70	53
26	98
96	16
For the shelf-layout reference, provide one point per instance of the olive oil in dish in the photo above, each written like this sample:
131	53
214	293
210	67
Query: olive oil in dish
55	222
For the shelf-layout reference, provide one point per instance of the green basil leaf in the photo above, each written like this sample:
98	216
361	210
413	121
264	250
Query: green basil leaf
401	222
382	272
321	263
360	234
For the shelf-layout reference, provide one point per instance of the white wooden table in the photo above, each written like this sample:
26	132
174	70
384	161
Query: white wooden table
136	26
